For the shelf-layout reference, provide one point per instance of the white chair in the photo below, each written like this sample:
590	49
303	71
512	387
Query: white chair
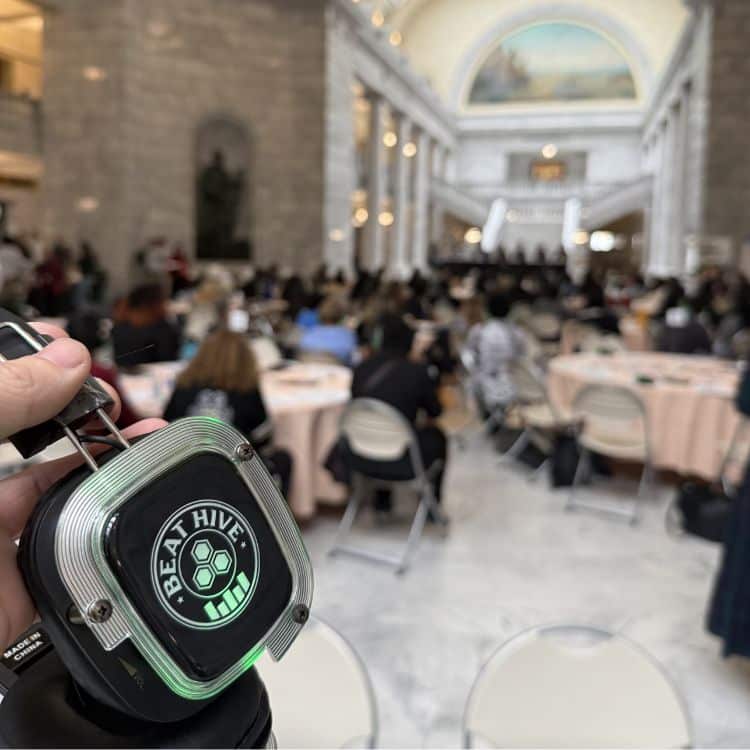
613	423
267	353
466	376
538	418
376	432
320	693
574	687
547	329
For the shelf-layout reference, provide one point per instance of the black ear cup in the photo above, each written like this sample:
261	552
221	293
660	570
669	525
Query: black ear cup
79	707
160	575
97	672
46	709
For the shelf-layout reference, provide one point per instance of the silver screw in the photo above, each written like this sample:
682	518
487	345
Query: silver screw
244	452
100	611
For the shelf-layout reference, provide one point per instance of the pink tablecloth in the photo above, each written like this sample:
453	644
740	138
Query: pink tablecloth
305	401
690	407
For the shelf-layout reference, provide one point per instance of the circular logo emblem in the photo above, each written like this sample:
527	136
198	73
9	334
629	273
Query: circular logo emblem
205	564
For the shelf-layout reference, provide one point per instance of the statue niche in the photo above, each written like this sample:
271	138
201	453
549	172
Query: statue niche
223	224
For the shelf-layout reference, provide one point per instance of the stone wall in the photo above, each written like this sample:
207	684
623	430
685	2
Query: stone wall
20	125
727	206
128	140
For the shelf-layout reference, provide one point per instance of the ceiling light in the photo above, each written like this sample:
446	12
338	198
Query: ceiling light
396	38
94	73
511	215
581	237
390	139
473	236
158	29
550	151
378	19
410	149
361	215
87	204
386	219
602	242
336	235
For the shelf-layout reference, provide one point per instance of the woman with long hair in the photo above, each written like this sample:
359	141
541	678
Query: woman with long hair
222	381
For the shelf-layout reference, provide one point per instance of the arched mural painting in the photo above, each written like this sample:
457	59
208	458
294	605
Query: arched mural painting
553	62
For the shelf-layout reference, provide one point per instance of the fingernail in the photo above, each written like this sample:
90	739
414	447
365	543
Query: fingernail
65	353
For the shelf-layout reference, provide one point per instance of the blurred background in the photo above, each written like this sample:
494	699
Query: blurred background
475	268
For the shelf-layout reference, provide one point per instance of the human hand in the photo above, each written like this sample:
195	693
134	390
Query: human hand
32	390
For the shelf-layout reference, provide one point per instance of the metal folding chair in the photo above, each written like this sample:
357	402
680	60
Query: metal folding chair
539	418
613	422
574	686
321	693
376	432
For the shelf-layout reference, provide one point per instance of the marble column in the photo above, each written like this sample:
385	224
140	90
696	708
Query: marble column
440	164
377	186
659	256
682	124
420	242
399	266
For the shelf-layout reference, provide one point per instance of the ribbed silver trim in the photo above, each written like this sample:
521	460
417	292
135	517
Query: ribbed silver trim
83	566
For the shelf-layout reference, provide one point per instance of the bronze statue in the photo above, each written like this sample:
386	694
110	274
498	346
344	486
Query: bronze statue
219	195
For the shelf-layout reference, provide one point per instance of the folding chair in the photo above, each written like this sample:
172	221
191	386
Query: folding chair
573	686
538	416
614	423
321	694
376	432
547	329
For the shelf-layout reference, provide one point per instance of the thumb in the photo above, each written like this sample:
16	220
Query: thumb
36	388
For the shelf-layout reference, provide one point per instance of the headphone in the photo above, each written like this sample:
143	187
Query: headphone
163	568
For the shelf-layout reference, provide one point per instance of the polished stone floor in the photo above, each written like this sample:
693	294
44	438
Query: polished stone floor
514	559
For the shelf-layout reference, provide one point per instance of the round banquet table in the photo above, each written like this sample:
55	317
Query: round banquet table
689	406
305	402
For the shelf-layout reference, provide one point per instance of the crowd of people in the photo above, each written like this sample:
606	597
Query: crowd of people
404	340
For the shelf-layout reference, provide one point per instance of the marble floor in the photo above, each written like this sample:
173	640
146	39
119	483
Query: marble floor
514	559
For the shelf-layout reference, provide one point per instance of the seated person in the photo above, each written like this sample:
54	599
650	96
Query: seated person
493	346
307	318
330	336
683	334
143	334
222	381
390	375
86	327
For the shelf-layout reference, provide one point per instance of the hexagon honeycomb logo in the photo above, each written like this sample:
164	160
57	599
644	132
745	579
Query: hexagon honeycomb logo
203	577
209	564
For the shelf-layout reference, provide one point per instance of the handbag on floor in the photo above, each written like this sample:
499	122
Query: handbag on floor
702	511
565	457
